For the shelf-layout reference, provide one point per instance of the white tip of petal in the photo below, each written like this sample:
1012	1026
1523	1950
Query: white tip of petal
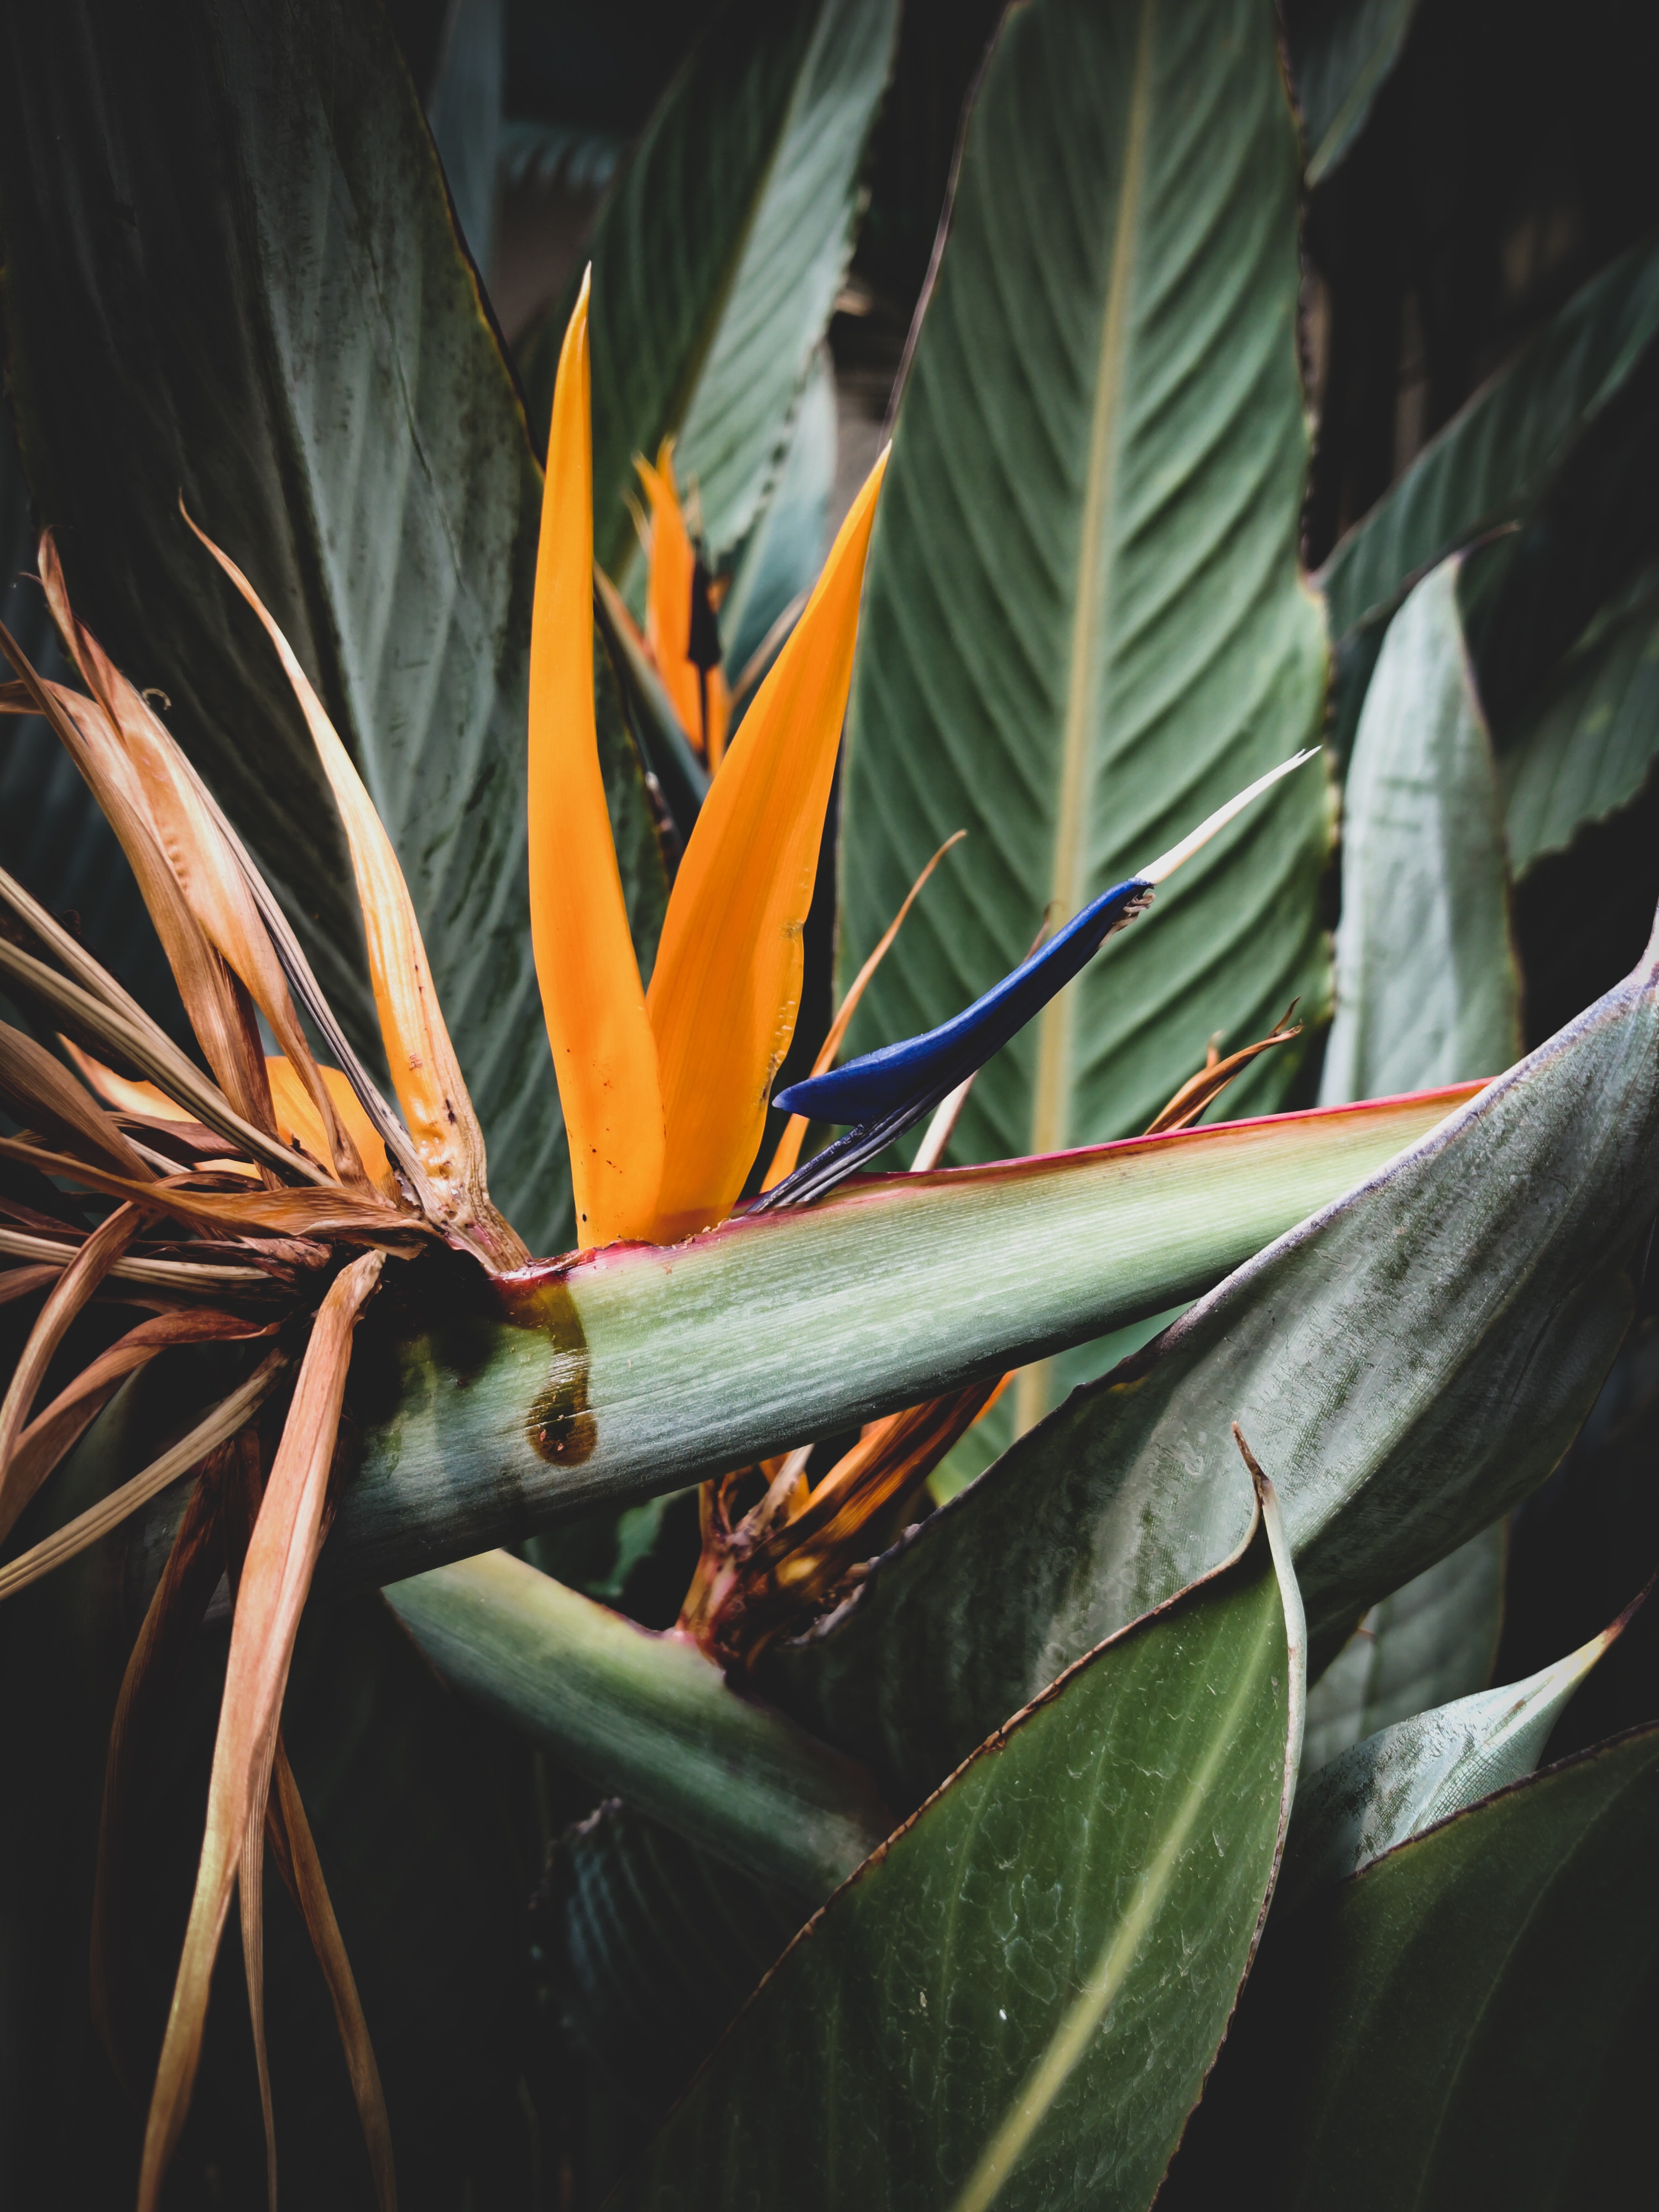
1167	863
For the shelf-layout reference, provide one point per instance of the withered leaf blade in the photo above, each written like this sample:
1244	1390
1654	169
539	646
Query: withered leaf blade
276	1577
425	1072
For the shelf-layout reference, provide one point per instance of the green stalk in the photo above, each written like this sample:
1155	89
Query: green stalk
648	1718
609	1378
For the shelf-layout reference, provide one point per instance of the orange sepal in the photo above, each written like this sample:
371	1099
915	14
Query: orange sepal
604	1053
727	987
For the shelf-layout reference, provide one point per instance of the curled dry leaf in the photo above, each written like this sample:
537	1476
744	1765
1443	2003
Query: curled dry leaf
75	1287
282	1555
208	872
425	1072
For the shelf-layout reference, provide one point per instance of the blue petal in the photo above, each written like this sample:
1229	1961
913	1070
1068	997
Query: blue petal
922	1069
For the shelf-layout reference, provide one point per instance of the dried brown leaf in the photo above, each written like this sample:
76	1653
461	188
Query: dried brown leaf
425	1072
175	1611
75	1287
209	873
213	1428
41	1091
276	1577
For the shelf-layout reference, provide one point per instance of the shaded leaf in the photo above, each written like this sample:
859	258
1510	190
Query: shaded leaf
1342	53
662	1943
1405	1778
1017	1999
718	255
1481	2003
1497	460
1085	625
1428	1642
1588	746
780	557
1428	989
287	330
464	107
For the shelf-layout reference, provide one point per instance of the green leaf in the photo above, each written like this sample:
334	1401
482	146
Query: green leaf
1588	746
464	107
1428	988
648	1717
1017	2001
636	1370
230	267
1432	1641
661	1945
1426	983
1471	2020
1085	624
1413	1360
1342	53
1496	460
1482	2005
718	255
1403	1779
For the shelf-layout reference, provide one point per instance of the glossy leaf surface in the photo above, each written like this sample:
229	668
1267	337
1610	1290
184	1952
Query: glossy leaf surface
718	255
641	1369
1414	1361
1017	2001
1428	988
288	332
1085	625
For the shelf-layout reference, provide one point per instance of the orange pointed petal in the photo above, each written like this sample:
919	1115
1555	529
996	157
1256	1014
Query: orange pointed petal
727	987
603	1049
668	591
297	1117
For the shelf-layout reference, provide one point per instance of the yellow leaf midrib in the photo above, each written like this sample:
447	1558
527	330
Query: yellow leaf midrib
1091	623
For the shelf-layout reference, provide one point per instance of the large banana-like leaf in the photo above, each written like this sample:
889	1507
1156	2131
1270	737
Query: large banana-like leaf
639	1369
1419	1004
1411	1361
1470	2020
230	268
1428	989
1084	624
718	255
648	1718
1017	2001
1481	2005
1423	1645
1342	53
1498	460
1588	745
1405	1778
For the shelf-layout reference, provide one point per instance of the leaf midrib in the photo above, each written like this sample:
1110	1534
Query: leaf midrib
1091	610
1085	2016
